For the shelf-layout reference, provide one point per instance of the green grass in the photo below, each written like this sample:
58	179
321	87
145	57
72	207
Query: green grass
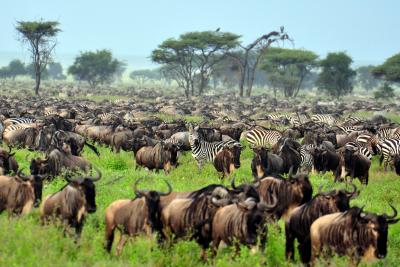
24	242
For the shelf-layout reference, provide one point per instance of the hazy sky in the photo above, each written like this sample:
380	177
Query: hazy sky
368	30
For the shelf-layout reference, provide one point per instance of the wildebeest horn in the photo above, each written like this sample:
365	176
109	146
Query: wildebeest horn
220	202
9	152
21	175
354	193
96	178
137	191
169	189
392	216
267	207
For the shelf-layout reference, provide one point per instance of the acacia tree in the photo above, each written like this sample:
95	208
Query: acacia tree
365	77
389	72
193	54
248	57
40	36
16	68
336	77
288	68
95	67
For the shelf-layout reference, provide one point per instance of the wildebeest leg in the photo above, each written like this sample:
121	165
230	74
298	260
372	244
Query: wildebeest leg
215	245
78	231
263	239
289	251
121	243
109	238
305	250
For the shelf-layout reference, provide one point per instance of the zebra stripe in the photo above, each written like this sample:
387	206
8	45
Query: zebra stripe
389	148
259	137
361	149
13	121
306	159
324	118
15	127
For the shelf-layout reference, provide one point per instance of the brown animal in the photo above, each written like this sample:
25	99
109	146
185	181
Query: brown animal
121	140
134	216
161	156
20	193
243	222
7	162
228	159
71	203
355	233
56	161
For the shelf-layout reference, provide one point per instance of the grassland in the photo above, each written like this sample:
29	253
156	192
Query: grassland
24	242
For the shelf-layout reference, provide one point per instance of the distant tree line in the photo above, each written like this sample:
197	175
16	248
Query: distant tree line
203	60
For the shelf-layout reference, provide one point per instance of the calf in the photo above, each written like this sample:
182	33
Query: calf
228	159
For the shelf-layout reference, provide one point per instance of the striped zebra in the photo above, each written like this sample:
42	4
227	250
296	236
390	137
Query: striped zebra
15	127
390	148
203	151
347	129
353	120
306	163
361	149
387	132
106	116
14	121
48	113
324	118
260	137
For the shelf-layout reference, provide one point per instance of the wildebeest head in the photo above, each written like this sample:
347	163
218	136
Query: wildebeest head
137	143
88	188
39	166
152	201
236	149
7	162
339	200
244	191
36	181
374	230
172	153
300	183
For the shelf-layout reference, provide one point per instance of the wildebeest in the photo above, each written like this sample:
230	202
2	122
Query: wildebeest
134	216
121	140
7	162
19	193
187	215
242	222
71	203
356	165
57	160
326	160
265	163
396	163
22	137
289	151
228	159
355	233
291	192
161	156
298	225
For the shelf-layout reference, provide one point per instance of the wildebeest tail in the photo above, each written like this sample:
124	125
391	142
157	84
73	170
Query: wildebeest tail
92	147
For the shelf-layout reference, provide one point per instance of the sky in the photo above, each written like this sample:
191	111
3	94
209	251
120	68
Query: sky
367	30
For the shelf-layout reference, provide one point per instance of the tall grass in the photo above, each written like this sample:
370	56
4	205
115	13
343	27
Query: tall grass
24	242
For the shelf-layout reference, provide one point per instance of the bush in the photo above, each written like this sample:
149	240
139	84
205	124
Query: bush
384	91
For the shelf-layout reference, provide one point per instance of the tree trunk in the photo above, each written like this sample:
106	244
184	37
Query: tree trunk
37	82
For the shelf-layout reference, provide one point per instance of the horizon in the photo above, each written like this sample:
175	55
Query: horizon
133	29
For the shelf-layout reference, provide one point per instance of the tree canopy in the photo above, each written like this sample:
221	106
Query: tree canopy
365	77
193	53
288	68
95	67
40	36
389	70
336	77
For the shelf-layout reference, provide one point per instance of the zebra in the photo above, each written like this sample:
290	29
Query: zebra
324	118
390	148
347	129
260	137
307	161
387	132
48	113
203	151
15	127
14	121
106	116
353	120
361	149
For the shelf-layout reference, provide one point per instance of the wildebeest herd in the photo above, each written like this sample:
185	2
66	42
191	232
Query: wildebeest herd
285	152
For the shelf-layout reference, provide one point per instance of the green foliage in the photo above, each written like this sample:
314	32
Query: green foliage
336	77
14	69
365	77
144	75
390	70
288	68
191	53
385	92
95	67
55	71
40	37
